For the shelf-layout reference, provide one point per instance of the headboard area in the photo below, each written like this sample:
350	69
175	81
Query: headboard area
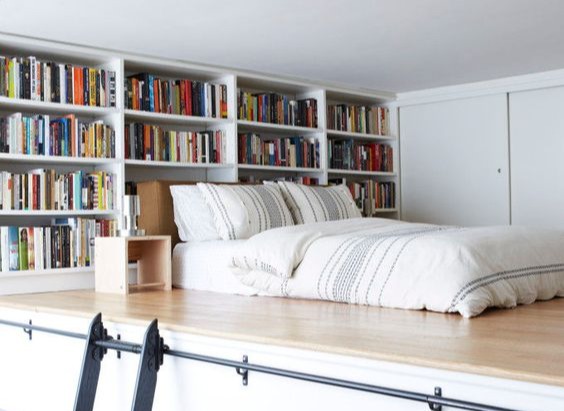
157	216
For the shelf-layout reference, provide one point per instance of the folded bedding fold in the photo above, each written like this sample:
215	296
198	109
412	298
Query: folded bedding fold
389	263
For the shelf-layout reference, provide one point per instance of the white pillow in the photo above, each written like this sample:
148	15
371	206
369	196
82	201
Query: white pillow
310	204
192	215
245	210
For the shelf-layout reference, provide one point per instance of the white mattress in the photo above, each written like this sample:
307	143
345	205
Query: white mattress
204	266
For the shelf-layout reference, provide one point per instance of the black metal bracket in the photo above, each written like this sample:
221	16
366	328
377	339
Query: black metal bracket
29	331
118	352
243	372
433	405
91	364
152	355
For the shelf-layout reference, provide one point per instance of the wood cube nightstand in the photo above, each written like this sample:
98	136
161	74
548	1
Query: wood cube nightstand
113	254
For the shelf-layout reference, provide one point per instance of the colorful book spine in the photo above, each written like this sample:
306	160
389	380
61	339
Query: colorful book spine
66	243
48	190
305	180
279	152
153	143
359	155
185	97
31	79
359	119
276	108
371	196
66	136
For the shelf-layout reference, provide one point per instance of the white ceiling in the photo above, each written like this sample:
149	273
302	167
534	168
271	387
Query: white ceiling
392	45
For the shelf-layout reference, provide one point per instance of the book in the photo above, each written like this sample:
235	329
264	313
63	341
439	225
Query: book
32	79
13	243
5	248
22	249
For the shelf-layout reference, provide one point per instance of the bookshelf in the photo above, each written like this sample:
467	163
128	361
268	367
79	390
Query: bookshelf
127	169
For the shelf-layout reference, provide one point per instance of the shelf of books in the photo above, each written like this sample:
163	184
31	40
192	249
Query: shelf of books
79	126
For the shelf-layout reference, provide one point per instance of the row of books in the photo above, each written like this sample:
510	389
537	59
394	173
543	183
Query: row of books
66	136
359	119
305	180
153	143
49	190
276	108
280	152
147	92
359	155
370	196
31	79
67	243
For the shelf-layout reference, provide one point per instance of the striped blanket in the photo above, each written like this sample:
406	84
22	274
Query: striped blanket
403	265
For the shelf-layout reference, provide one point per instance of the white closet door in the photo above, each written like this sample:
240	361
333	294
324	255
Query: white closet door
454	161
537	157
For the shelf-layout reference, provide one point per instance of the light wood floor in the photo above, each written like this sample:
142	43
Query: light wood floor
525	343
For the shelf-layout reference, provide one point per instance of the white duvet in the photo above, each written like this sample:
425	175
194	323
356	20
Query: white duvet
403	265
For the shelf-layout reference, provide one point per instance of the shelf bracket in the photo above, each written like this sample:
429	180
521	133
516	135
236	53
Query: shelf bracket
152	354
243	372
91	364
433	405
29	331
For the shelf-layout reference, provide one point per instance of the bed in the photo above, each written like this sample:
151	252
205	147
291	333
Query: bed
370	261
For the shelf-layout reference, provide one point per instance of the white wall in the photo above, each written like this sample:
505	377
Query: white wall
454	161
537	157
455	139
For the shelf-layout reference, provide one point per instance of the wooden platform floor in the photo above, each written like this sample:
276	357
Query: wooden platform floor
525	343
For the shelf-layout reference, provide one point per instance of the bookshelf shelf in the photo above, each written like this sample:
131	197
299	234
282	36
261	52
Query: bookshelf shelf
386	210
279	168
171	164
34	159
44	107
52	271
244	125
359	136
125	170
173	119
362	173
56	213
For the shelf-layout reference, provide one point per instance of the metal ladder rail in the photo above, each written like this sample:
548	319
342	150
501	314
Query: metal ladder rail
152	352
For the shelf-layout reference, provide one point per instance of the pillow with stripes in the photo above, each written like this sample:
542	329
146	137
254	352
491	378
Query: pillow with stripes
310	204
241	211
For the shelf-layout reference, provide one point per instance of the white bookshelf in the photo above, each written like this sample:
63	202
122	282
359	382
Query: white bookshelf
125	64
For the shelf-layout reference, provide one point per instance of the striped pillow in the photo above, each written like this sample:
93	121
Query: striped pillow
310	204
243	211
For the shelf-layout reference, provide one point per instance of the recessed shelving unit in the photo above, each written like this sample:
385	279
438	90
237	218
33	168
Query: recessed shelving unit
125	64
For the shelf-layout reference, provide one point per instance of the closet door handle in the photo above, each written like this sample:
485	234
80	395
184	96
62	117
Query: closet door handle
499	170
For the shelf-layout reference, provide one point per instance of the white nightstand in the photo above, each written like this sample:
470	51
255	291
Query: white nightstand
113	254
